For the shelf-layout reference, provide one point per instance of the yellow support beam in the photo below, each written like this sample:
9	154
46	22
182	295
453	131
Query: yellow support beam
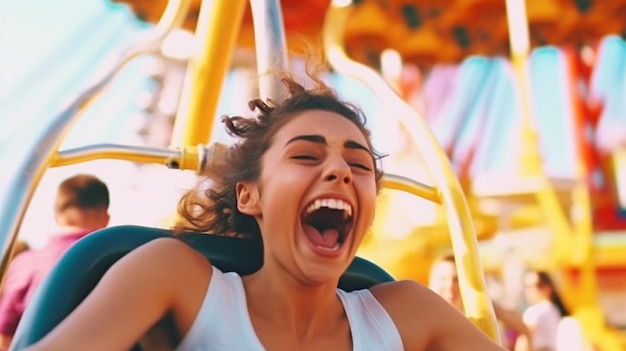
478	305
531	161
573	238
216	35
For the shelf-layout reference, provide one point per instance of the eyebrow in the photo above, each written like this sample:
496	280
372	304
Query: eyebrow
318	139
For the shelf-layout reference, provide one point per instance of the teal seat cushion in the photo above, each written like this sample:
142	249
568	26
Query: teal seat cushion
82	266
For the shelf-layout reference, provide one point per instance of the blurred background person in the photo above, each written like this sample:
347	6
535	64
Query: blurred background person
444	281
544	311
547	317
81	207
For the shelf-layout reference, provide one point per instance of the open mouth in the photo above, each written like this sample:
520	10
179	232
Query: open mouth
327	223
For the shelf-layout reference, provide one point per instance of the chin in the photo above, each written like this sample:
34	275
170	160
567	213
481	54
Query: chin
322	271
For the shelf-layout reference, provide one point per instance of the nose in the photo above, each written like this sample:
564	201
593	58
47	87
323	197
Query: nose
337	170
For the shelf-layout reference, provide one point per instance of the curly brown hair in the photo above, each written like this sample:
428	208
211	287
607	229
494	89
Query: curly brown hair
211	207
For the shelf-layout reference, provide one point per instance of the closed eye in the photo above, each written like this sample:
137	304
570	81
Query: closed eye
361	166
304	157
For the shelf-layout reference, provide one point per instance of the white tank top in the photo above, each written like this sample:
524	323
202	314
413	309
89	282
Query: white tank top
223	323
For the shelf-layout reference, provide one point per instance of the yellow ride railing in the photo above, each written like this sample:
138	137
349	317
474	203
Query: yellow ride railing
449	193
216	32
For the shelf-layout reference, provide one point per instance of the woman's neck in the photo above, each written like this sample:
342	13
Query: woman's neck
281	300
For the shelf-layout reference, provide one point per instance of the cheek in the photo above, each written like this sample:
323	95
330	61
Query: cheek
368	196
281	194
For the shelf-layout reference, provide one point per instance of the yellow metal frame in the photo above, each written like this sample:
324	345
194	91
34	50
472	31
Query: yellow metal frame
573	239
216	36
449	192
531	162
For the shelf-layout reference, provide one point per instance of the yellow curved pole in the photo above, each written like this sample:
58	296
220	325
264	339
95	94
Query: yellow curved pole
531	162
215	36
397	182
573	240
464	243
188	158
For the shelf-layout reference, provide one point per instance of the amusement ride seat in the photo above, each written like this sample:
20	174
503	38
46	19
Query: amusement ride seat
82	266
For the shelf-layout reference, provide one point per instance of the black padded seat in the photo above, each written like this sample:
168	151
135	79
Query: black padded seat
82	266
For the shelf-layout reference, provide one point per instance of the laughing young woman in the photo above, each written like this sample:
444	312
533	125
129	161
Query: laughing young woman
304	177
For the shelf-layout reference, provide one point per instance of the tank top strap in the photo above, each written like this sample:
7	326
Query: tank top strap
370	325
222	323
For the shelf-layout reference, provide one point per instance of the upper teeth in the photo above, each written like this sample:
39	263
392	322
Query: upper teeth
335	204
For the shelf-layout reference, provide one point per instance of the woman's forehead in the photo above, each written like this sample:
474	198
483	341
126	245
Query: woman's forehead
330	125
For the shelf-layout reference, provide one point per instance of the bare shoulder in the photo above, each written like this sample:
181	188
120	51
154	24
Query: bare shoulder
185	272
425	321
412	307
166	250
395	296
165	259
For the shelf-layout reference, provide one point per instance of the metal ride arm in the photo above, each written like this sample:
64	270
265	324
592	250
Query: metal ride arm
184	158
22	182
449	192
197	159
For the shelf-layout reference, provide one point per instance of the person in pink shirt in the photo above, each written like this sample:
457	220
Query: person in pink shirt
81	207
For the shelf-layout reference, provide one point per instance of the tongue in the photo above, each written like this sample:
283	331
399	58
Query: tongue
327	238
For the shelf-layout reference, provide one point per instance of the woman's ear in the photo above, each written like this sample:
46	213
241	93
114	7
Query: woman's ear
248	199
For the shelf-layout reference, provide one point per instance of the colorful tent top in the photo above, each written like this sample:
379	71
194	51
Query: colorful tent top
608	89
578	110
473	108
